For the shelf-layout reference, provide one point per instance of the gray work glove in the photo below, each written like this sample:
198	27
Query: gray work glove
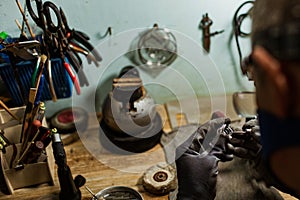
246	144
197	165
211	139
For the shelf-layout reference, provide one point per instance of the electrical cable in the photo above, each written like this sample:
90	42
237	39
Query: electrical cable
237	22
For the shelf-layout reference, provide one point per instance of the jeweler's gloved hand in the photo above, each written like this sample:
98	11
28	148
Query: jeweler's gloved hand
210	139
197	163
246	142
197	176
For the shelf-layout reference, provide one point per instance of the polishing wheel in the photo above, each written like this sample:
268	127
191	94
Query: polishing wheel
160	179
69	120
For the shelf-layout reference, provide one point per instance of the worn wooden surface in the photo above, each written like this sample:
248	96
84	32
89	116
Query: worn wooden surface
107	169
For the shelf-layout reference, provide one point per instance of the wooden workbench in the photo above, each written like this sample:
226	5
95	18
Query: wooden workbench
113	170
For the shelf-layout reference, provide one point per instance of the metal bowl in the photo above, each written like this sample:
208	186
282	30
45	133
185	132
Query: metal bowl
118	193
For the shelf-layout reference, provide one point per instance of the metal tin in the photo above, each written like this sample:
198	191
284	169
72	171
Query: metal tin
118	193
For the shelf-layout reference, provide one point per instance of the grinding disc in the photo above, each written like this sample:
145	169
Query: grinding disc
160	179
69	120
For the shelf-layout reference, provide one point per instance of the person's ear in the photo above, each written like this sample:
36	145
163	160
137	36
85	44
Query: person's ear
273	70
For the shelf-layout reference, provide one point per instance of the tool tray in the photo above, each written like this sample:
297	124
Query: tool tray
32	174
24	69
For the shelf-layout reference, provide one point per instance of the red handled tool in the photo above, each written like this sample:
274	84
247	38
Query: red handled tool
72	76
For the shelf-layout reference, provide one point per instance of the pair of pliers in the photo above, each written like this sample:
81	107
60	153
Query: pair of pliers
65	51
78	36
71	73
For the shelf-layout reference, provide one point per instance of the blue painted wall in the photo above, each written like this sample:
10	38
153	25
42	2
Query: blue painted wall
204	74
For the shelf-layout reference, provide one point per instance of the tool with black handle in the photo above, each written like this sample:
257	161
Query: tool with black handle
78	36
69	187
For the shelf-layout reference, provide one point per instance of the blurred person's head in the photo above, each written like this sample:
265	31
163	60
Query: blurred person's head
276	56
276	73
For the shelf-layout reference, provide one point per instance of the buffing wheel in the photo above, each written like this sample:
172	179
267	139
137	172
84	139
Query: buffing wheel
160	179
69	120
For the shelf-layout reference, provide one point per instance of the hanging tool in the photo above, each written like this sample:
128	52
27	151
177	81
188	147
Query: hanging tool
70	59
89	56
71	56
55	38
72	75
77	36
50	43
50	80
205	24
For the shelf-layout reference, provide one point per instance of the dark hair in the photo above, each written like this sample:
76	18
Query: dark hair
276	27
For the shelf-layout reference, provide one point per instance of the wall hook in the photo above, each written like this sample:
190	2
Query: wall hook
108	32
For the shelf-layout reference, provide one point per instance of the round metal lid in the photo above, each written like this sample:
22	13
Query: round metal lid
118	193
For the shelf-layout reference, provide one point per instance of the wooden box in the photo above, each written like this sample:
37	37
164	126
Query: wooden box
31	174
